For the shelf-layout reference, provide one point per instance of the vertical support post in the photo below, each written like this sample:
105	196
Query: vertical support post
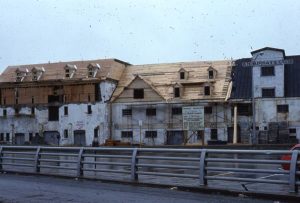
37	160
293	169
79	163
202	173
235	124
1	155
134	168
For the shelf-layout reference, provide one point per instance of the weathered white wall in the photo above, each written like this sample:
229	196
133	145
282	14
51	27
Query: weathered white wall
276	81
77	119
164	121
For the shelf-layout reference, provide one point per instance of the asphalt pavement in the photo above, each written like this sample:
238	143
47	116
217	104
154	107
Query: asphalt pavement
28	188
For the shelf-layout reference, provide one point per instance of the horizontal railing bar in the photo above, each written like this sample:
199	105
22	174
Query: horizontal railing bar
168	158
107	156
57	160
168	166
15	158
258	161
17	164
106	170
167	174
14	152
247	170
57	154
169	150
256	180
106	163
57	167
262	152
20	147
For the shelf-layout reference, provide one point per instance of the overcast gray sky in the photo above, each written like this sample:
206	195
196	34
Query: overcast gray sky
144	31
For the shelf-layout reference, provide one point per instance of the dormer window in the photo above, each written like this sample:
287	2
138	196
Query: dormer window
177	90
211	73
93	69
70	70
183	74
21	73
37	73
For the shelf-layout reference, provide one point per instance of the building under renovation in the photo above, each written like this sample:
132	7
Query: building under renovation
147	106
268	82
58	103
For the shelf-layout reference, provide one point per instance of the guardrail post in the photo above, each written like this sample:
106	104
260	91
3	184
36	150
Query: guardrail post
1	169
202	173
134	161
79	163
37	160
293	169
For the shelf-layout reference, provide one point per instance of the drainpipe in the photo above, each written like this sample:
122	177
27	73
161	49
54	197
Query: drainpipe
235	124
110	122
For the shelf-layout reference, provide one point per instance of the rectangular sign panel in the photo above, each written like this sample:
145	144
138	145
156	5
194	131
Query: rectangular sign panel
193	117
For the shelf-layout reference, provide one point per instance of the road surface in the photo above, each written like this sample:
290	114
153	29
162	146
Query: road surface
28	188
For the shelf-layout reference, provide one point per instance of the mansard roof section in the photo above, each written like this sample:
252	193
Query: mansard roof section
268	48
163	77
110	69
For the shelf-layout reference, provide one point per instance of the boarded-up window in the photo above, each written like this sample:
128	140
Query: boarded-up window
151	134
267	71
176	92
53	113
244	109
126	112
208	110
89	109
207	90
138	93
66	110
151	112
268	92
214	134
126	134
177	111
283	108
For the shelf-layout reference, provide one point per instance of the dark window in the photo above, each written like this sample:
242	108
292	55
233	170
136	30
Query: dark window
268	92
66	111
1	136
267	71
207	90
32	110
176	92
67	73
200	134
66	133
208	110
53	113
97	92
126	134
283	108
292	130
17	110
151	112
17	101
4	112
7	137
32	100
126	112
138	93
211	74
151	134
176	110
214	134
30	137
244	109
182	75
89	109
96	132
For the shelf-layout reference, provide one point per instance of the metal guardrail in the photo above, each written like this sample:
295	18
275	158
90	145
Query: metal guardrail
199	165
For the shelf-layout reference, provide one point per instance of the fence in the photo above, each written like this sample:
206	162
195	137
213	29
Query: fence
198	166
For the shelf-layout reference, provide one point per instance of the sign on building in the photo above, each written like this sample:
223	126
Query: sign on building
193	118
